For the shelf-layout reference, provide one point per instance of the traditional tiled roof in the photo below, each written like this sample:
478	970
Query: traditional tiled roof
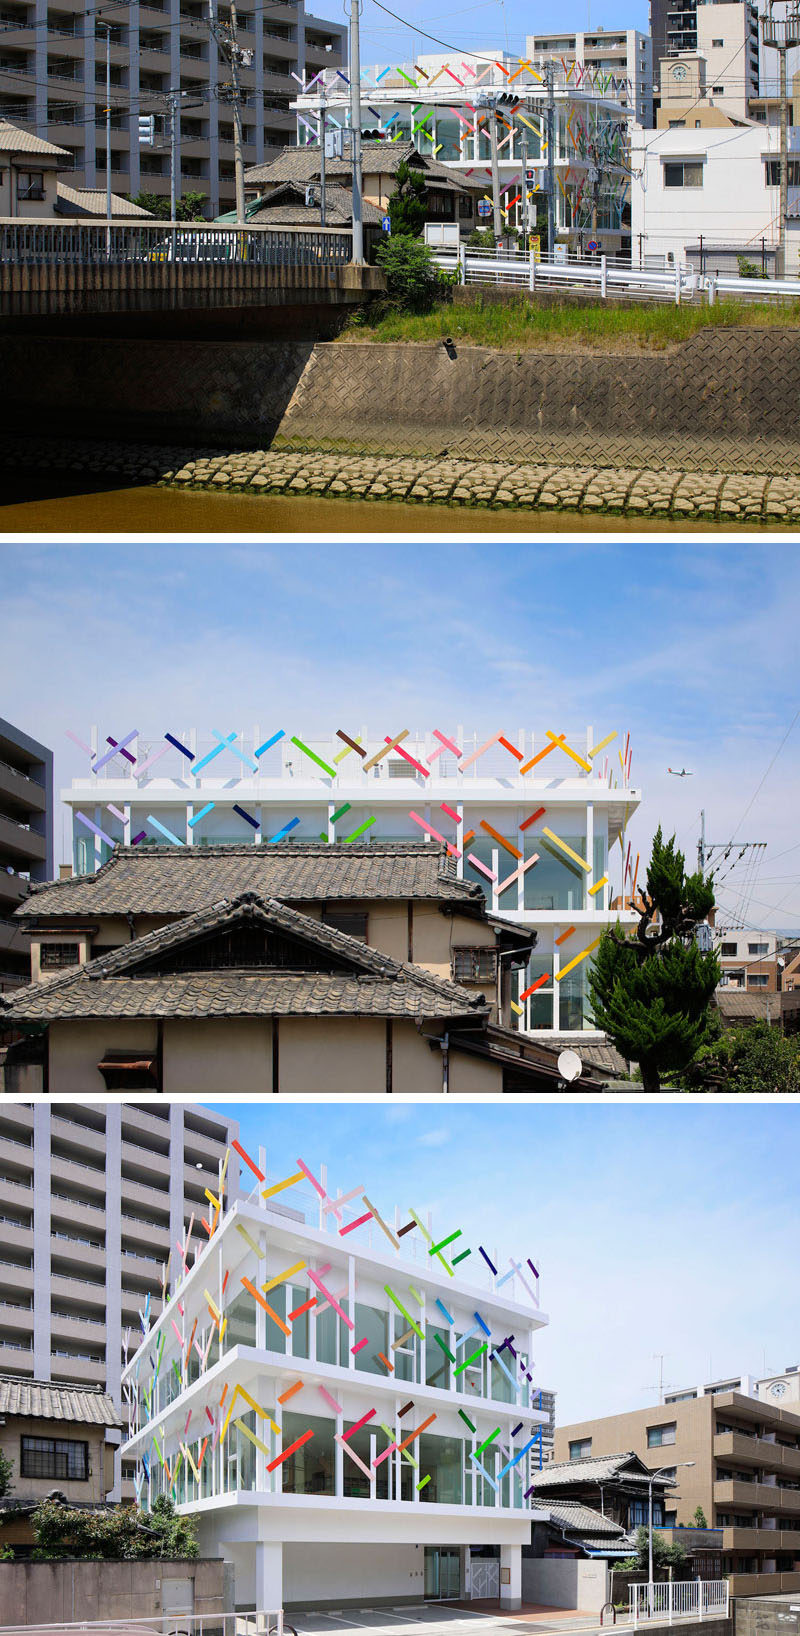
354	979
574	1516
600	1054
287	206
597	1468
13	139
737	1006
302	165
91	201
41	1399
163	880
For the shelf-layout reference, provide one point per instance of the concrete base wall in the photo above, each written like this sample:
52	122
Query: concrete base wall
354	1575
41	1593
560	1582
723	402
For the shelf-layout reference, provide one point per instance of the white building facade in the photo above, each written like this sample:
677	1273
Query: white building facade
538	820
346	1404
447	105
695	192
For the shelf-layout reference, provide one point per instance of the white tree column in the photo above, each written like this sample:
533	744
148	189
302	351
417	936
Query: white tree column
269	1576
511	1577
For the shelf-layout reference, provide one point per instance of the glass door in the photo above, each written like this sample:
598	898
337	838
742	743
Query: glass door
442	1573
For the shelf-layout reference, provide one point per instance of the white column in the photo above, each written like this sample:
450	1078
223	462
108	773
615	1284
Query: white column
587	901
41	1241
510	1577
269	1576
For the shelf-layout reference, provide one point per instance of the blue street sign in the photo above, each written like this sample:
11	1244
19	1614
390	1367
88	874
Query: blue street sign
484	207
386	224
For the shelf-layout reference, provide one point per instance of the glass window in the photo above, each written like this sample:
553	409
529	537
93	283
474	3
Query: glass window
474	965
332	1342
580	1449
373	1324
437	1362
443	1459
572	999
758	948
683	174
299	1325
366	1445
55	955
540	1004
729	949
555	882
241	1316
657	1436
54	1457
275	1339
757	980
311	1469
501	1388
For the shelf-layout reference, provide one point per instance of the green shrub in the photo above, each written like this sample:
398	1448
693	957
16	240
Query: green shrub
413	281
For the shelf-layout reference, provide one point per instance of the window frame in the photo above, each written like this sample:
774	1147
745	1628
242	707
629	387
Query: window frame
58	1448
476	954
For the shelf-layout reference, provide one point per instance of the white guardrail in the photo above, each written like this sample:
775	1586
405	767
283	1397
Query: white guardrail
682	1599
247	1623
608	278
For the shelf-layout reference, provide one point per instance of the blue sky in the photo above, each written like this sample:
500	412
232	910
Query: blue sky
689	645
662	1229
495	23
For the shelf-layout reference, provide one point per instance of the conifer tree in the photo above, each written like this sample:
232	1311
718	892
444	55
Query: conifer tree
408	205
651	991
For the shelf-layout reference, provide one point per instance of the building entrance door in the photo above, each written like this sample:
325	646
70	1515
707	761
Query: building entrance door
442	1573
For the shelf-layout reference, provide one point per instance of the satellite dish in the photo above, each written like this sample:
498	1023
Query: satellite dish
569	1065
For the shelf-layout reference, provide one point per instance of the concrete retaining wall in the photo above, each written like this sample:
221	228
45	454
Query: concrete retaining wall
725	401
767	1615
42	1593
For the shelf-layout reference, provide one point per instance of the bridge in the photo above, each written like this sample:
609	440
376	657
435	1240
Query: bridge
68	270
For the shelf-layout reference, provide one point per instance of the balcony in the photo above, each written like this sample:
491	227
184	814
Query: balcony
762	1584
85	1139
12	891
16	1359
16	1321
15	1277
146	1267
78	1370
732	1494
136	1192
20	793
137	1157
68	1215
16	1121
766	1541
86	1179
90	1331
66	1248
16	1237
756	1451
62	1287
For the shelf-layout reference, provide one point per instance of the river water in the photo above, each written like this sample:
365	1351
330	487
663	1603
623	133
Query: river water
39	503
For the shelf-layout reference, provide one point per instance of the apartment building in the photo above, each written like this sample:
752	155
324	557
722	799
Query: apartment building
343	1400
734	1455
26	839
712	80
536	820
53	82
625	54
94	1198
749	959
726	27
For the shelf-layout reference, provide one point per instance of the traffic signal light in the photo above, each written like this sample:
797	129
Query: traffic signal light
147	130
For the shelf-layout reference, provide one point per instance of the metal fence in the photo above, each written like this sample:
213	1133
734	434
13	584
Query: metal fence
681	1599
250	1622
70	244
608	277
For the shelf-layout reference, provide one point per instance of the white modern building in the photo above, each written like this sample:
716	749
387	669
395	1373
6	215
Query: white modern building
448	107
623	55
538	819
781	1388
709	195
94	1198
343	1398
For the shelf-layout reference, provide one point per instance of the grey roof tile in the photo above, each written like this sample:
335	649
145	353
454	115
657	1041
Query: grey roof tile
302	165
161	880
625	1468
38	1398
573	1515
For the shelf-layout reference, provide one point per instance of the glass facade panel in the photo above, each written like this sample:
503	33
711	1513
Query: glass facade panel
572	999
311	1469
332	1336
241	1316
366	1446
448	133
555	882
443	1459
300	1325
437	1364
275	1339
373	1324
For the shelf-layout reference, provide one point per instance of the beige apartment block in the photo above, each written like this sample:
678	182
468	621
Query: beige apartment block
745	1474
94	1198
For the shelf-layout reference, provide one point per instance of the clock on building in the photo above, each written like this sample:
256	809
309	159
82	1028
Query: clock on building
680	71
777	1388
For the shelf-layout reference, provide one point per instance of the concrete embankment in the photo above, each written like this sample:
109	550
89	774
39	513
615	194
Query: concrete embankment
498	485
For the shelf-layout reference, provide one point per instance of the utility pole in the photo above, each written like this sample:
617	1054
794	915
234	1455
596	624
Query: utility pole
551	175
173	99
355	129
489	103
225	36
107	27
525	217
322	221
781	34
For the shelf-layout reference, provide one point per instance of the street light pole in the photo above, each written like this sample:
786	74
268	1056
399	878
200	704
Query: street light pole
322	222
355	129
659	1472
551	174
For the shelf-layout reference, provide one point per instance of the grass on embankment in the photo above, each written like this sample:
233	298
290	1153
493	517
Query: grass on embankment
519	323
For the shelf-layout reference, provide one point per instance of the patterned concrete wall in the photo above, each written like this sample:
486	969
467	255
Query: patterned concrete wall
724	402
727	400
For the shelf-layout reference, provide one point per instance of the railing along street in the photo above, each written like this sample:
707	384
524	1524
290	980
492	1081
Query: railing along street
678	1599
607	277
71	244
